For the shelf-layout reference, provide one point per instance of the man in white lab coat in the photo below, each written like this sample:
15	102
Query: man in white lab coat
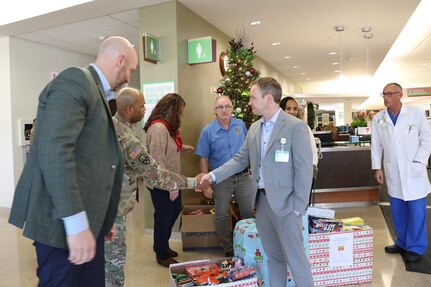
403	136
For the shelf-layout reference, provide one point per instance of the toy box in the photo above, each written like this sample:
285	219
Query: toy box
198	231
182	268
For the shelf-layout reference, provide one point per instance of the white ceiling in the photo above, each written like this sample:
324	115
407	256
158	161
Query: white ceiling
305	29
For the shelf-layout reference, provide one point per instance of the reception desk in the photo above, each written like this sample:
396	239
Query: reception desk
345	175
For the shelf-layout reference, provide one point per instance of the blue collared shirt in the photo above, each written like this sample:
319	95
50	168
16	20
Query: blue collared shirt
265	134
105	83
219	145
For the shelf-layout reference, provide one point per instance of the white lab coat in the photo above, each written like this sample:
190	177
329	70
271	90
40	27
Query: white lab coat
313	147
409	140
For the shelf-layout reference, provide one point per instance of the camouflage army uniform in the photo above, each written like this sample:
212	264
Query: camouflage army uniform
138	164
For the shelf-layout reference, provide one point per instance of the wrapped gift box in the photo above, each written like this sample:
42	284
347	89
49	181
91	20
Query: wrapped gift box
336	259
342	258
247	245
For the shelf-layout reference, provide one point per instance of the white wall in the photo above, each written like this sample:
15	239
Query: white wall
6	166
26	75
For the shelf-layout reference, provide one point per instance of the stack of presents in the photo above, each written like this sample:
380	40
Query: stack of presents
340	252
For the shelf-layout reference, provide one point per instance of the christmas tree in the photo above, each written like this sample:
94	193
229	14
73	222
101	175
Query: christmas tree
238	78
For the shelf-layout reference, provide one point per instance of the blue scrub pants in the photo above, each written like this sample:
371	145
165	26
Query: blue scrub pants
409	219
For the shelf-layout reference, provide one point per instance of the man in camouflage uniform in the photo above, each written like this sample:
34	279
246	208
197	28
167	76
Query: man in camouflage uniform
138	164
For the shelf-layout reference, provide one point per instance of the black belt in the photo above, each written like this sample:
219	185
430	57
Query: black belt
242	172
261	190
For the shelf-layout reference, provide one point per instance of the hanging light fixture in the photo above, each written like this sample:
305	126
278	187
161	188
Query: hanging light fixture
340	29
367	37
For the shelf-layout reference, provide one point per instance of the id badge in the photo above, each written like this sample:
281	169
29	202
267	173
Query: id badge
282	156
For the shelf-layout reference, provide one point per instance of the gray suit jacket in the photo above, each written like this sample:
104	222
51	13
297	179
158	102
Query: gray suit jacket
75	163
287	184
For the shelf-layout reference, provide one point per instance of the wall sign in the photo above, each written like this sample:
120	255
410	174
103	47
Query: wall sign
151	48
153	93
419	92
201	50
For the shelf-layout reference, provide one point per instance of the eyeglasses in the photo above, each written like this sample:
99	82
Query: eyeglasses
389	94
227	107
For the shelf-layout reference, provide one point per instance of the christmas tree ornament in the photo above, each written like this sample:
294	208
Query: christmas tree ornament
248	73
219	90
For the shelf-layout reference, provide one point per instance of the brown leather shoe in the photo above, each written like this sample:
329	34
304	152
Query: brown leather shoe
166	262
172	253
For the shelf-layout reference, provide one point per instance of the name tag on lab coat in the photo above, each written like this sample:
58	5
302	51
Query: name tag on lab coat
282	156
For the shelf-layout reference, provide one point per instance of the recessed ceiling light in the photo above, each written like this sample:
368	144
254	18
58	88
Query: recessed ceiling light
336	71
307	79
303	73
255	23
295	67
424	64
332	53
335	63
288	57
276	43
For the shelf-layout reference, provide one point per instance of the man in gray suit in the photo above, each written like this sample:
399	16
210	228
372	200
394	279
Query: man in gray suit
68	193
278	150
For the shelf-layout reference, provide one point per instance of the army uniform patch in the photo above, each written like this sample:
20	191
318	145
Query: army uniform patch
144	159
135	152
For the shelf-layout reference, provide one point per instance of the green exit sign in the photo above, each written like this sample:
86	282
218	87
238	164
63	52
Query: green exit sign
201	50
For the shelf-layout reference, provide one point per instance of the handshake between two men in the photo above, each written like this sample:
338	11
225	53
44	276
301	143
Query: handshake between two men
203	184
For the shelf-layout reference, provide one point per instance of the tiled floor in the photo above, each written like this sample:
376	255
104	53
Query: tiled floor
17	265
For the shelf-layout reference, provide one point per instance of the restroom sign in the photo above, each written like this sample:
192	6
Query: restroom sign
201	50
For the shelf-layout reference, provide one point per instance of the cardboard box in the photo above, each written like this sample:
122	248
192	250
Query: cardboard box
342	258
198	232
181	267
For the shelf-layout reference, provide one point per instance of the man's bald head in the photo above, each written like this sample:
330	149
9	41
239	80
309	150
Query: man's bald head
117	59
131	105
114	45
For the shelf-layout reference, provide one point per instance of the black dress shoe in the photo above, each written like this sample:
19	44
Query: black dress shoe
412	256
172	253
166	262
393	249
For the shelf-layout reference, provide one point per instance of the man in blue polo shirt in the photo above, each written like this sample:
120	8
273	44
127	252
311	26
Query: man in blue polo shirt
219	141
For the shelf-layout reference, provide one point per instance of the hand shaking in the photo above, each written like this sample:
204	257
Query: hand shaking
208	193
202	184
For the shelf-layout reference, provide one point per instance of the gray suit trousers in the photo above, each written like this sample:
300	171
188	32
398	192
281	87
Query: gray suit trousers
282	241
